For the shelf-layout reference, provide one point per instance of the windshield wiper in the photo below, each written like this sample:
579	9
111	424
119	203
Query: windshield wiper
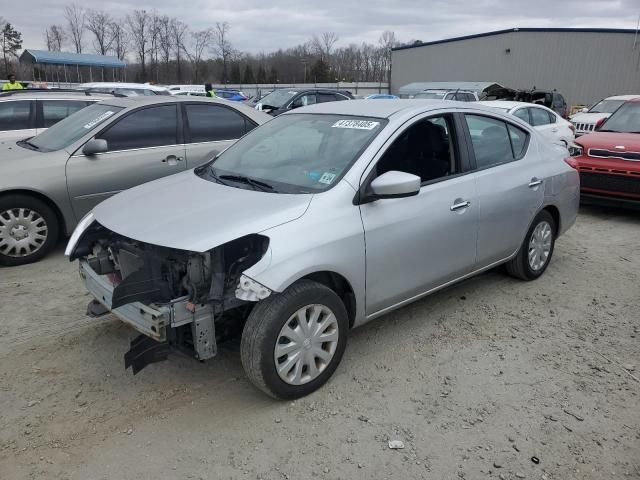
249	181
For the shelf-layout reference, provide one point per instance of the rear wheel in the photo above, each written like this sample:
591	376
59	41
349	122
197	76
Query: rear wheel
28	229
292	342
536	250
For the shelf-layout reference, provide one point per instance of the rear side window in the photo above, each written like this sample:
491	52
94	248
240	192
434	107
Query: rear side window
210	123
15	115
522	114
150	127
494	141
539	117
325	97
55	110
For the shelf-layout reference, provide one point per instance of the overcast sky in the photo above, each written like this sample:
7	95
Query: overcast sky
263	26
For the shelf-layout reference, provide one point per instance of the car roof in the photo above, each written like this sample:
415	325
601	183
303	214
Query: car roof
134	102
623	97
384	108
141	86
509	104
55	95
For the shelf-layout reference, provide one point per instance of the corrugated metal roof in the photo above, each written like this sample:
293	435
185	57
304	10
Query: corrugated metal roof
67	58
415	87
512	30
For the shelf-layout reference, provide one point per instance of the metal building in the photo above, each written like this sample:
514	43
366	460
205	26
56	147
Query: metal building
584	64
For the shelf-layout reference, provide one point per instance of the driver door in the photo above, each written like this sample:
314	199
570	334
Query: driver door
418	243
142	146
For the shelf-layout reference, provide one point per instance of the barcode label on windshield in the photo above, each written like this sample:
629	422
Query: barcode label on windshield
99	119
357	124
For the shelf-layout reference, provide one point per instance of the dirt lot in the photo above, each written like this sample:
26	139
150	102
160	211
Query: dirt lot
475	380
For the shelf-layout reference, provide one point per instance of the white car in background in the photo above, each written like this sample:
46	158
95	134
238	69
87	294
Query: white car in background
543	119
186	89
588	119
126	89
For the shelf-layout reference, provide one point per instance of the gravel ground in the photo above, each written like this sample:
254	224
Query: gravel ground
492	378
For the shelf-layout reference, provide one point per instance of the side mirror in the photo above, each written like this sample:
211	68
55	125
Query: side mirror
584	110
94	146
395	184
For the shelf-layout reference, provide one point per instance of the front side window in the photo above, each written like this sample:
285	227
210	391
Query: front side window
304	153
15	115
493	142
55	110
210	123
425	149
149	127
74	127
304	100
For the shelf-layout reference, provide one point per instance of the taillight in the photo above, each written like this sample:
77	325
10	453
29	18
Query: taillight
572	162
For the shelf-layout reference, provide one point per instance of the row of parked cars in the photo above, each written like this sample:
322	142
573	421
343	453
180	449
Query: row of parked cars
188	234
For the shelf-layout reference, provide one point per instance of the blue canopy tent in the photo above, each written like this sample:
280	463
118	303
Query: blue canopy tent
67	59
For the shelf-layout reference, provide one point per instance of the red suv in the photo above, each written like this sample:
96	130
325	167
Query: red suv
609	159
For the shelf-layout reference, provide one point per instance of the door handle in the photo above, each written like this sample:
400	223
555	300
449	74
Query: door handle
460	205
535	182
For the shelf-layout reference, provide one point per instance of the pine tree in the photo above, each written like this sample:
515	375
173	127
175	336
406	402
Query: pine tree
320	72
236	75
273	75
10	42
262	75
248	77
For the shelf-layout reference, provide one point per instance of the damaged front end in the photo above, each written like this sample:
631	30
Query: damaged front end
177	299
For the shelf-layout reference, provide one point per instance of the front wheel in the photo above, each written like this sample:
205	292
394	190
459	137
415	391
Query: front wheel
536	250
293	341
28	229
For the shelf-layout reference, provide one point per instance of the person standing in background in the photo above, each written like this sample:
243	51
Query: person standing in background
12	85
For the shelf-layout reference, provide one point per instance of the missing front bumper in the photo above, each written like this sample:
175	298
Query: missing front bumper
156	321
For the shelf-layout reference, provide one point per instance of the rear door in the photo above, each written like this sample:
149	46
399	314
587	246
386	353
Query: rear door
17	119
143	145
544	122
510	185
209	129
50	112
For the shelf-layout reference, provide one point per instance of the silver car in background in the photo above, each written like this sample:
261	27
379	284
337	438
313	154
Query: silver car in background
319	221
49	182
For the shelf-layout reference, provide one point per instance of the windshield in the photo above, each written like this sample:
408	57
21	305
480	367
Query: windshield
304	153
67	131
430	95
277	98
626	119
606	106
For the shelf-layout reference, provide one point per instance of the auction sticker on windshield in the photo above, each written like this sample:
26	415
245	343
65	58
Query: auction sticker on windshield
327	178
99	119
356	124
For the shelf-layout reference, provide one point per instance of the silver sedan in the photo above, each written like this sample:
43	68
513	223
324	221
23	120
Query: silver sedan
319	221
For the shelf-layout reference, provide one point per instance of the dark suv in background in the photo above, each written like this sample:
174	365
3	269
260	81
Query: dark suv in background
284	99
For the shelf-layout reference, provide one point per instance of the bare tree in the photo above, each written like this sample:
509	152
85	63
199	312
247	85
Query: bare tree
55	37
76	18
387	41
120	39
222	46
324	44
98	23
201	41
165	39
178	33
139	28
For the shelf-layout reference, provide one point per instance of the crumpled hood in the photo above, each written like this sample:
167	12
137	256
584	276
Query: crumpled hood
186	212
590	118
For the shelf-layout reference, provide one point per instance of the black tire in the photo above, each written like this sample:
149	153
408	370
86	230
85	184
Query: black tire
519	266
263	327
17	201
